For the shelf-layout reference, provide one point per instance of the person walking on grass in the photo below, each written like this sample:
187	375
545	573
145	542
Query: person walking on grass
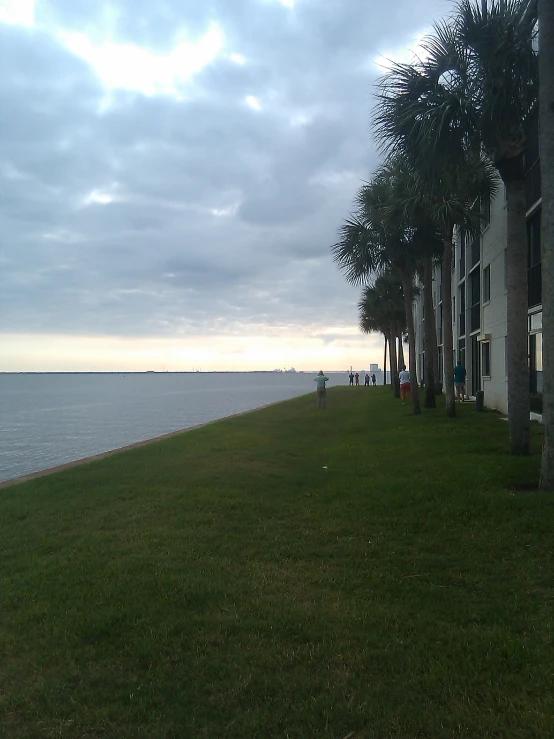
357	378
366	380
460	381
321	379
373	380
405	387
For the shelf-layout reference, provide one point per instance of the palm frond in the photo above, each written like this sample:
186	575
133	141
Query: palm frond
475	83
358	250
382	303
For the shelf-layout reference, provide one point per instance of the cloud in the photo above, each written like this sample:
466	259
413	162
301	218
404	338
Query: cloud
180	168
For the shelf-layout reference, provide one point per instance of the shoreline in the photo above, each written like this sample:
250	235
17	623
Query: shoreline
127	447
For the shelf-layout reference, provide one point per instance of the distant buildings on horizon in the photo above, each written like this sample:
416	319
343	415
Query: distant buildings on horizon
372	368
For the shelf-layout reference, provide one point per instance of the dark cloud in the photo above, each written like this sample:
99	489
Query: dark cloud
130	214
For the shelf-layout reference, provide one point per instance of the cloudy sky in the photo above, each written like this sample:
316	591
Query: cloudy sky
173	173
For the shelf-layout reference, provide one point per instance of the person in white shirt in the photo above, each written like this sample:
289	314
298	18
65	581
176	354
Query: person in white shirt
405	387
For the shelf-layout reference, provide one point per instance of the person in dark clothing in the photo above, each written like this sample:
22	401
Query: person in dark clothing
460	381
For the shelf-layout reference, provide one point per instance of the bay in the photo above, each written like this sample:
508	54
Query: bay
52	419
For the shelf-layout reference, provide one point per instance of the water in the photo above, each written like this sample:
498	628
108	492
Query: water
51	419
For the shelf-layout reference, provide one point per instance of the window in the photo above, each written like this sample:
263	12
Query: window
462	317
532	165
534	260
532	151
487	284
462	254
535	321
475	360
535	352
534	240
475	297
462	351
486	358
475	254
486	208
535	363
453	309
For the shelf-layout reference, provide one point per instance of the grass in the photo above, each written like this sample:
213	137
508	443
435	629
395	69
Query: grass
287	573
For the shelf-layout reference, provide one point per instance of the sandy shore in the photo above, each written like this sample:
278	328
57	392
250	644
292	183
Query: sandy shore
102	455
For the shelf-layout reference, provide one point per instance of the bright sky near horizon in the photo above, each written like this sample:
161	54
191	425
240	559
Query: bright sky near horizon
174	173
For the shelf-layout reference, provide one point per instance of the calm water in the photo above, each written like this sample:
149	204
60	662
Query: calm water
47	420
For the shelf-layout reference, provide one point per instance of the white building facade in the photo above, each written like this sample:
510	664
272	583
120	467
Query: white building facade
479	299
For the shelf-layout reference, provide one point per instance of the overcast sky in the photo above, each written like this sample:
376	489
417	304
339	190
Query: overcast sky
173	174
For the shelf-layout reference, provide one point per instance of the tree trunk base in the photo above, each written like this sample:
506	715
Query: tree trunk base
430	400
451	410
519	451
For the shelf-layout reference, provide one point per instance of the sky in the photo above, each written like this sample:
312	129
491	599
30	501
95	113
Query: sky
174	173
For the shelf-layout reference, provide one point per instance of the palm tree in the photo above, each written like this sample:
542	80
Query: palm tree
409	204
369	324
546	113
443	196
430	335
476	89
454	201
400	351
385	364
373	315
374	239
381	309
506	67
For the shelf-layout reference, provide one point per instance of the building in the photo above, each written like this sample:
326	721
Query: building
479	297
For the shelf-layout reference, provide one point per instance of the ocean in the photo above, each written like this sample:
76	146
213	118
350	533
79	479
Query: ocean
52	419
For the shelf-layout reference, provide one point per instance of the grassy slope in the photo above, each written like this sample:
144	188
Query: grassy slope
288	573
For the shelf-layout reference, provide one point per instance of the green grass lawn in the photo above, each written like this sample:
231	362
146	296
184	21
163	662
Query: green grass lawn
286	573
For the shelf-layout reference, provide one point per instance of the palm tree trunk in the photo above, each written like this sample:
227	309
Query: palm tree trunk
546	97
385	363
408	303
400	346
512	172
429	337
438	379
393	362
447	338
